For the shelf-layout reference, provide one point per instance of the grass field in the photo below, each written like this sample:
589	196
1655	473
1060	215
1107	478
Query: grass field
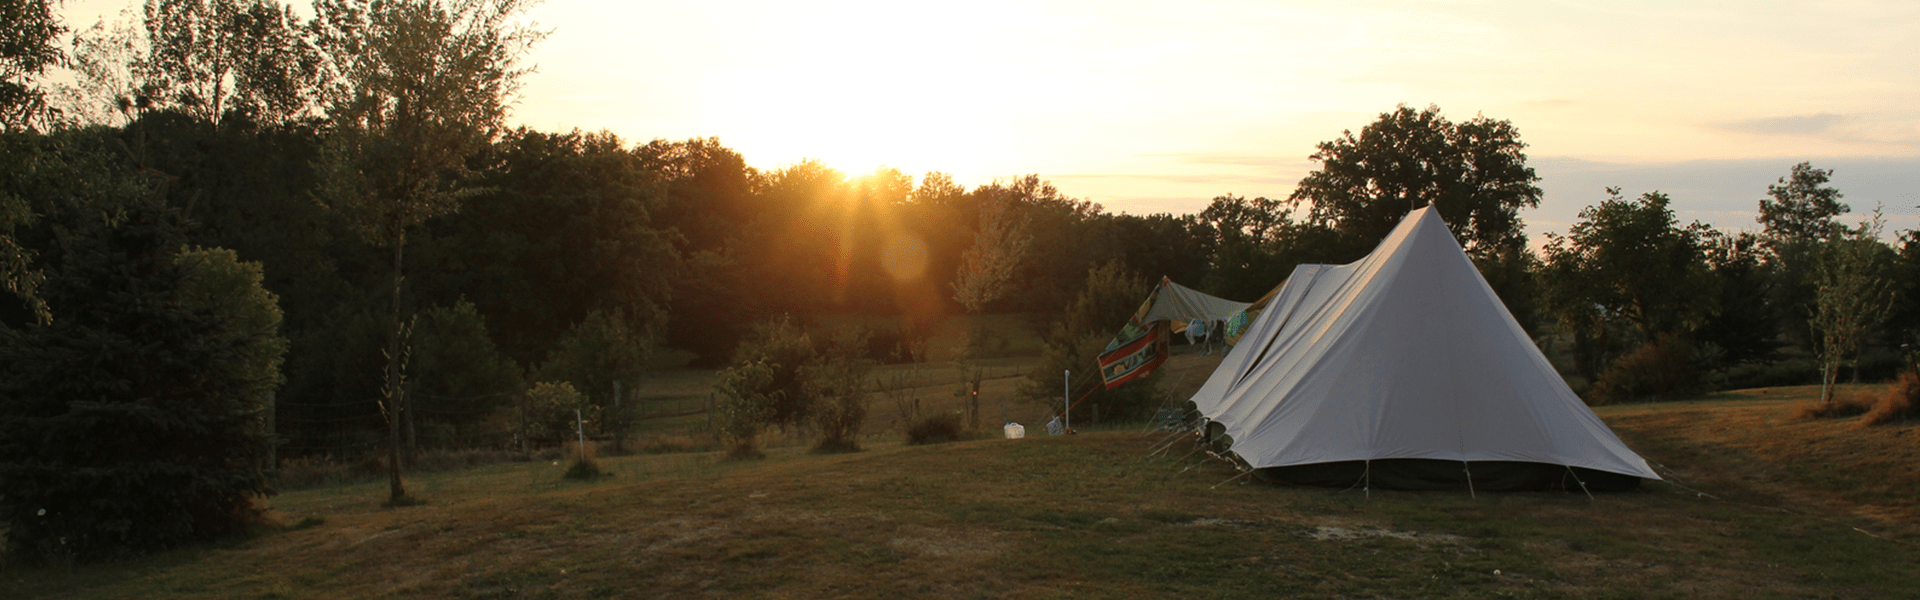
1759	506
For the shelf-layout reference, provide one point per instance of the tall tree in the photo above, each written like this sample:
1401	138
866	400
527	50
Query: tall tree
29	43
28	32
133	420
987	267
414	88
1853	295
209	57
1798	216
1801	207
1475	173
1628	261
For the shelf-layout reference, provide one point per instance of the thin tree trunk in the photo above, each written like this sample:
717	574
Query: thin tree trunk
1829	371
393	391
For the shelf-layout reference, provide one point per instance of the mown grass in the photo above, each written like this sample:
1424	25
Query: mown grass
1749	514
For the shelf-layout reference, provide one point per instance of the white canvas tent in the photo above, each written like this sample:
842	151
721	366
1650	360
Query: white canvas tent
1405	370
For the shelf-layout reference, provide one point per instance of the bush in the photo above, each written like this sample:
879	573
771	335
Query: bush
1900	403
935	429
585	468
550	412
780	378
1664	369
840	419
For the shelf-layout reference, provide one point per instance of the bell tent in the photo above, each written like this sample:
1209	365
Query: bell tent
1404	370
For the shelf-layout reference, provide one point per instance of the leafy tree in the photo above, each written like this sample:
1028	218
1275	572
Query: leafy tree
1798	216
29	34
216	281
1801	207
1905	318
1172	246
601	350
766	386
1628	261
459	377
709	201
1853	295
134	419
209	57
1245	261
1111	296
1743	324
1069	238
565	228
1474	172
987	268
413	89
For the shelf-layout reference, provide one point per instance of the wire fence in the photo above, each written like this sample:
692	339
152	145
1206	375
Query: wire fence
351	430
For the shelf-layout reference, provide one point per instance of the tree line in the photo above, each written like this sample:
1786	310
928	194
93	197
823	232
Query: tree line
240	232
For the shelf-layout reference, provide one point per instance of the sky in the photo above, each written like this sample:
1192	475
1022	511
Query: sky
1149	107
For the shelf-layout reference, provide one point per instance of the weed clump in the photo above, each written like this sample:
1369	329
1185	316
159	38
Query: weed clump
585	469
1900	403
935	429
1842	406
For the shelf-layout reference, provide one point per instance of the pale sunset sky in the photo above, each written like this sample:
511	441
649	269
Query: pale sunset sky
1151	107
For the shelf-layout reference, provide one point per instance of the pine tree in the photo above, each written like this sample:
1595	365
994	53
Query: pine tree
134	419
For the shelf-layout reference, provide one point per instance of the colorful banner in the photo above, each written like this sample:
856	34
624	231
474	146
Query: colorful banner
1135	358
1138	350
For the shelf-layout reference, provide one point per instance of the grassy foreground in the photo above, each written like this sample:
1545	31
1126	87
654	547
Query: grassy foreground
1770	508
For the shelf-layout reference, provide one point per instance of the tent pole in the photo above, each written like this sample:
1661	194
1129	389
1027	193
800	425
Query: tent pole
1576	479
1465	466
1366	475
1066	386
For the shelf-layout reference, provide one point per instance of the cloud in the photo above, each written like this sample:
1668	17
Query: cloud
1722	193
1813	124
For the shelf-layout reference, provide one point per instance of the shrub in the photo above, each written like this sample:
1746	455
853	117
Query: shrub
550	411
1900	403
746	400
837	380
842	408
780	378
935	429
1660	370
585	468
